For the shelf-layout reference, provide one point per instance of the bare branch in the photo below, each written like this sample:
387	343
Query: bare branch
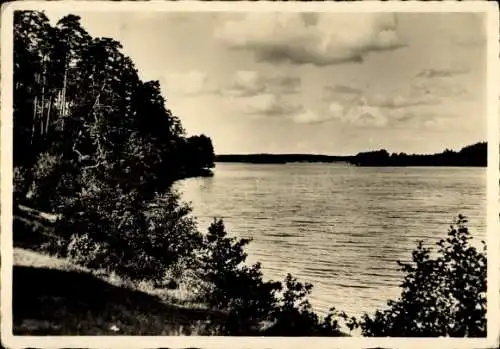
81	157
97	142
122	221
92	166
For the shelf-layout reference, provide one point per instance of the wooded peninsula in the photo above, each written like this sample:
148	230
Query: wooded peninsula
474	155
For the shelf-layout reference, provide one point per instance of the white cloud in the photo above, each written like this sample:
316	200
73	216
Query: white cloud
322	39
365	116
187	83
437	123
245	83
359	115
396	101
336	110
259	104
250	82
268	105
420	117
308	117
399	101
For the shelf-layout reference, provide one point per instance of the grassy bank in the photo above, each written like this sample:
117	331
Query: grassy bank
51	296
56	296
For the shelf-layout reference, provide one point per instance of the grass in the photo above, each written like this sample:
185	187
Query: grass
52	296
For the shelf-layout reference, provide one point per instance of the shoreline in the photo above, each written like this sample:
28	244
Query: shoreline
474	155
343	163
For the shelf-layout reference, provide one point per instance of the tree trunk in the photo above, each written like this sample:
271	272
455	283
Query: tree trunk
48	117
35	101
44	80
63	97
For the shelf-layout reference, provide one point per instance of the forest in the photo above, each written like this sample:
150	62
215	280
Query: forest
81	111
279	158
475	155
96	151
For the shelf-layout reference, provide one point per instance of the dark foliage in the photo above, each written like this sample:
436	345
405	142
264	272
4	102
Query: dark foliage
201	152
294	315
280	158
139	241
226	283
79	105
472	155
255	306
443	295
97	145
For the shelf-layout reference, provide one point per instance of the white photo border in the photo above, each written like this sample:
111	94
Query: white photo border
490	9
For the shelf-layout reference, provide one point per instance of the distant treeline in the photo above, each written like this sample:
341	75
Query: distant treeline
472	155
280	158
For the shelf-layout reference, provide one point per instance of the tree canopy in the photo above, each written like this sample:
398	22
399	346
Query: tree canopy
99	146
80	99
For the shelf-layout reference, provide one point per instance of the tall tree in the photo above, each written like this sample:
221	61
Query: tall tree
102	144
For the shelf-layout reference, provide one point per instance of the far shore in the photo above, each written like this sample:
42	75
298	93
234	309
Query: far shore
474	155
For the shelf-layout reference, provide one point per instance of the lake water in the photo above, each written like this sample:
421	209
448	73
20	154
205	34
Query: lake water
340	227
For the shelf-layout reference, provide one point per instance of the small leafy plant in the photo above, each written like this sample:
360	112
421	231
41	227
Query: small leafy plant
444	295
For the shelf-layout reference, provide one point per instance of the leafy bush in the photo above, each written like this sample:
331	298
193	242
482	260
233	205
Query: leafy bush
20	184
82	250
226	283
138	241
254	306
45	176
294	315
443	295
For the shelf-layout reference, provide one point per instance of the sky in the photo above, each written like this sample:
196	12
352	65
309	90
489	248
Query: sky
329	83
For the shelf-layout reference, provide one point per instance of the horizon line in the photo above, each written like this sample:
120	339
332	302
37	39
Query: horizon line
351	155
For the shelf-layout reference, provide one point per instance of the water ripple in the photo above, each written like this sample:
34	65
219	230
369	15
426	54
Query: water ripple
341	228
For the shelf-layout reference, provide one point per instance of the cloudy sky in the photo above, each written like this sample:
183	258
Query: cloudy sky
327	83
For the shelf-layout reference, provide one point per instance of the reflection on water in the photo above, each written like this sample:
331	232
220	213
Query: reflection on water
339	227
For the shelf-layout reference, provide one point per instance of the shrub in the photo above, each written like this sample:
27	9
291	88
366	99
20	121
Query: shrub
84	251
141	240
254	306
49	184
20	184
45	175
294	315
226	283
442	296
